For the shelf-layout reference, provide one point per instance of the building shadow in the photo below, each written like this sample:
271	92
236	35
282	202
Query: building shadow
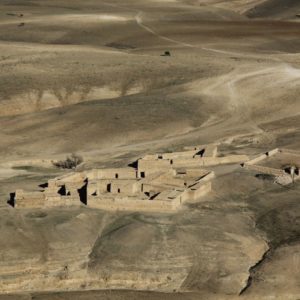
83	193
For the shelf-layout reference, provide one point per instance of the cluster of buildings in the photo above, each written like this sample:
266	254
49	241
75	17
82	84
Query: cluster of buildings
158	182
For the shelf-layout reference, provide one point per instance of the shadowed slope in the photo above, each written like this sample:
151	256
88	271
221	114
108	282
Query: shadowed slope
282	9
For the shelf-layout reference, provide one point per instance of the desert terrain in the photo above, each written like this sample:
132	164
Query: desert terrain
91	77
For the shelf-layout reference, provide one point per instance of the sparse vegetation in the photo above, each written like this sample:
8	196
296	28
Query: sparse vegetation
71	162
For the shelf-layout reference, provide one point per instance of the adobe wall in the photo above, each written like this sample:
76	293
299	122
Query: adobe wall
194	193
29	200
153	166
273	152
196	172
131	205
53	200
168	195
72	188
115	173
57	200
30	203
262	157
92	188
126	186
264	170
208	177
202	190
152	187
43	199
256	160
209	161
230	159
211	150
183	154
150	157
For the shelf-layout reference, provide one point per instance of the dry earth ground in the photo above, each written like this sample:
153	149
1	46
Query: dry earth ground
88	76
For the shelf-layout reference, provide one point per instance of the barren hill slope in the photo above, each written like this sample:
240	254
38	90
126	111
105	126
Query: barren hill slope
279	9
114	80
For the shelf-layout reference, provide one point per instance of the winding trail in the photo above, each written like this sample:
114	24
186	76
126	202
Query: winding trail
140	23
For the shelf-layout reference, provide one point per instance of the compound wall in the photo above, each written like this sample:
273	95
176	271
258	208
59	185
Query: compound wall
148	167
265	170
116	186
209	161
131	204
29	200
194	193
116	173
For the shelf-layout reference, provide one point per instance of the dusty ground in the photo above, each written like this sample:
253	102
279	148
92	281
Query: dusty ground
89	77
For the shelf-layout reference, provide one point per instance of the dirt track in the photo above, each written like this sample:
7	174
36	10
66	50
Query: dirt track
90	77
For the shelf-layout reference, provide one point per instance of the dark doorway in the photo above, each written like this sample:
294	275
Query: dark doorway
117	176
142	174
119	191
108	188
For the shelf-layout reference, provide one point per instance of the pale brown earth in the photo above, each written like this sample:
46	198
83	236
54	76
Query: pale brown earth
88	77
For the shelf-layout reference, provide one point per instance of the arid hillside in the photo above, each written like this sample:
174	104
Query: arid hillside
115	80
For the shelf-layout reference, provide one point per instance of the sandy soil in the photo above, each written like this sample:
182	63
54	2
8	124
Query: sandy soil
89	77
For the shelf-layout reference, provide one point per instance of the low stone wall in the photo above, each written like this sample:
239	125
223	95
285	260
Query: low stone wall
211	150
209	161
196	173
43	200
273	152
262	157
131	204
29	200
230	159
208	177
54	201
128	186
264	170
184	154
256	160
30	203
197	191
202	190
